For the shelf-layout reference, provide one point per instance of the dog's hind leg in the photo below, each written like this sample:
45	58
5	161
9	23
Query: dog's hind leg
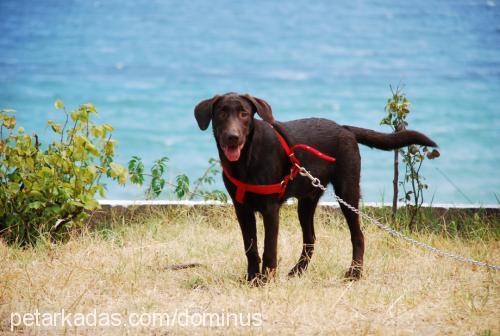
346	185
306	208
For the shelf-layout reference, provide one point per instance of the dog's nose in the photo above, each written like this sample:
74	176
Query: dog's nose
232	138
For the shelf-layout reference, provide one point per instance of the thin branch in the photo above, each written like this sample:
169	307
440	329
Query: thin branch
200	180
65	124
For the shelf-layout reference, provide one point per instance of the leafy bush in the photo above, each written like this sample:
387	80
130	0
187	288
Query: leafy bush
46	190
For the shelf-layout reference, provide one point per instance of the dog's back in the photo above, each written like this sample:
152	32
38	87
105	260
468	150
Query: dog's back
316	131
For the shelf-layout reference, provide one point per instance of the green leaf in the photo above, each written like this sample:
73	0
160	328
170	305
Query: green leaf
91	149
157	185
97	131
90	108
35	193
182	185
75	115
107	127
35	205
55	127
134	163
9	122
109	147
59	104
118	172
136	170
159	167
101	190
215	195
91	204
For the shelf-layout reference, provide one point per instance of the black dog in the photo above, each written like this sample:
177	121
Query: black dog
250	151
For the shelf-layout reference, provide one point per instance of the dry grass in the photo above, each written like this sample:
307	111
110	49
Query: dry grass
121	269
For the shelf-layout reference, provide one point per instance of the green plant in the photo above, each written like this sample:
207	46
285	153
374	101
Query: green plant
398	108
208	178
157	182
413	184
46	190
182	187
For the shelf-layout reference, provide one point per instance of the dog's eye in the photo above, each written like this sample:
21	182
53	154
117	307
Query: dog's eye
244	114
222	115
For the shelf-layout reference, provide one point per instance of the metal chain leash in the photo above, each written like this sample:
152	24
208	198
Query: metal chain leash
317	183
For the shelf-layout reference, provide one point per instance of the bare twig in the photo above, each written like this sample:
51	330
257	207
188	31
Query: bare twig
178	267
200	180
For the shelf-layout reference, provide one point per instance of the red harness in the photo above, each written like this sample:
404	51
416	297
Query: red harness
277	188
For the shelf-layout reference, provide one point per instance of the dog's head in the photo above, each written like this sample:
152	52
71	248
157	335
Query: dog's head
232	119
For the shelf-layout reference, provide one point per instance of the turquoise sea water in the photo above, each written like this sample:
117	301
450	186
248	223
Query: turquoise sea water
145	65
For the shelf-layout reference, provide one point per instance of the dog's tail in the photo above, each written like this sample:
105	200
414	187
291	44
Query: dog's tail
389	141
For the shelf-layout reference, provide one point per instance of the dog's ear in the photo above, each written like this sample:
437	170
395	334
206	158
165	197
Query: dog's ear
203	112
262	108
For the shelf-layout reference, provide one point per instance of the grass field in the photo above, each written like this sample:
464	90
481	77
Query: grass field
123	269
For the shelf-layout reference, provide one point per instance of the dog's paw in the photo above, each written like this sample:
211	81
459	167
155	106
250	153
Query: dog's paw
255	279
268	274
261	279
297	270
353	273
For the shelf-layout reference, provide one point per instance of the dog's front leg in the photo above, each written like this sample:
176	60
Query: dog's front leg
271	225
246	218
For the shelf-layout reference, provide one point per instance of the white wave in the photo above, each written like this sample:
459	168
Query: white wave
289	75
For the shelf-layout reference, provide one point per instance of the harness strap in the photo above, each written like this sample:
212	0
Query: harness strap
261	189
277	188
314	151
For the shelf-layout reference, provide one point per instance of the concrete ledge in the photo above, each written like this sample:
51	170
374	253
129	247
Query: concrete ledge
121	210
162	203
